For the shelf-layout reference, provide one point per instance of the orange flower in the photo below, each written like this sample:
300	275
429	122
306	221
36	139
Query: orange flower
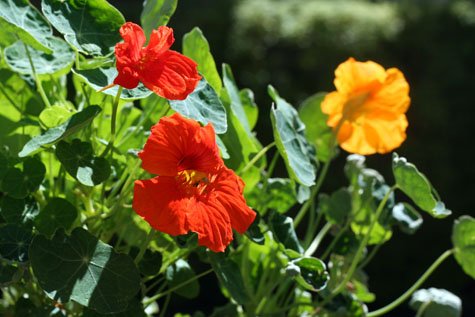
368	106
194	191
167	73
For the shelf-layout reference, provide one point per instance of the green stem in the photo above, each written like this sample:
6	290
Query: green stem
414	287
144	246
334	241
422	309
256	158
316	242
265	182
113	120
358	254
165	306
168	291
370	256
37	79
313	226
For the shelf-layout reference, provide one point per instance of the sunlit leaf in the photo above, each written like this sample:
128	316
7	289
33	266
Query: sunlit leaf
59	62
54	116
203	105
84	269
313	275
236	106
91	27
24	20
289	135
463	238
20	211
156	13
73	124
415	185
408	219
436	302
196	47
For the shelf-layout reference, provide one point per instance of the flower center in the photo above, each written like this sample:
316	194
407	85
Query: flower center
193	178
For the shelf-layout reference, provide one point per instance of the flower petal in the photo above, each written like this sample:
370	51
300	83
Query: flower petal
173	76
160	41
159	201
229	188
333	106
353	77
127	77
394	93
134	39
177	144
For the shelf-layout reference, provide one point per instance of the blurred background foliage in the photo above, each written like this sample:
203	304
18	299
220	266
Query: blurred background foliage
295	45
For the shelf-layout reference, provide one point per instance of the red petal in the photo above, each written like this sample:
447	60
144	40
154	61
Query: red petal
208	219
173	76
178	144
134	38
160	41
158	201
228	188
127	78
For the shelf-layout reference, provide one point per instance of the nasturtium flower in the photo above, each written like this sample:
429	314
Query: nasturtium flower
167	73
368	107
194	190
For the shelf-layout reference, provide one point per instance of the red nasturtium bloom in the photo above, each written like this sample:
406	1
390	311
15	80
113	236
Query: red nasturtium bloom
167	73
369	105
194	191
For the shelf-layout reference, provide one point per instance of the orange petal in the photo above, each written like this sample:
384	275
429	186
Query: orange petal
177	144
173	76
393	94
333	106
158	201
385	131
354	77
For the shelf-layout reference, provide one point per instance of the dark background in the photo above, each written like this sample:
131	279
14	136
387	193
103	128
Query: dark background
296	45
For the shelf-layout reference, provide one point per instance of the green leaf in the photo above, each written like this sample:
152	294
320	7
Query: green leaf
156	13
180	272
151	263
21	18
60	61
415	185
98	78
203	105
73	124
7	273
235	99
14	243
283	229
54	116
58	213
463	238
254	231
229	276
336	207
362	293
84	269
135	308
79	162
279	195
91	27
436	302
20	211
289	135
317	132
408	219
313	275
18	184
196	47
3	165
250	107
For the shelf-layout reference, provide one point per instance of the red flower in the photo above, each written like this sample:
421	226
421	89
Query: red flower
194	191
167	73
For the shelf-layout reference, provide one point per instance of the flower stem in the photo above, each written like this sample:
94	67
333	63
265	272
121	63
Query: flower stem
113	120
358	254
37	79
256	158
316	242
414	287
168	291
144	246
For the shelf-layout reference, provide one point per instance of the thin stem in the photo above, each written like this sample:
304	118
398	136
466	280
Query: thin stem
313	226
265	182
165	306
37	79
414	287
144	246
113	120
334	241
316	242
358	254
370	256
168	291
256	158
422	309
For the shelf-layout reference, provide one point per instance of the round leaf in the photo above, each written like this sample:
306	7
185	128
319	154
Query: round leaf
437	302
58	213
463	238
84	269
92	27
180	272
18	184
59	62
313	275
14	243
54	116
20	211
